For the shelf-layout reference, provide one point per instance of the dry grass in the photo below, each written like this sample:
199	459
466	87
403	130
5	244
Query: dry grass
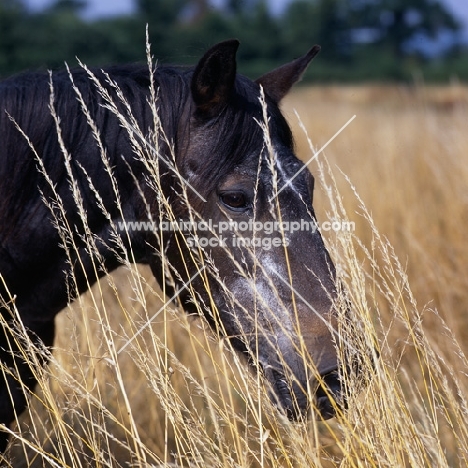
179	397
406	155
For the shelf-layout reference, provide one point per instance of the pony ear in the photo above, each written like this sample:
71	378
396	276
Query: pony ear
278	82
214	76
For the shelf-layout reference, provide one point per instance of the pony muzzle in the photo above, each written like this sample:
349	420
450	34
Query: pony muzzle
322	398
329	396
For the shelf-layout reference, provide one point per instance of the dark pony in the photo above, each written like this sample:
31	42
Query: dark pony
216	149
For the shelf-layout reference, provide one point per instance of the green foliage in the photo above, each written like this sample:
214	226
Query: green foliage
397	22
180	30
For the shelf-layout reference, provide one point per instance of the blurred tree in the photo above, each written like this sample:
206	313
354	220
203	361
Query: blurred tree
11	13
319	21
301	23
397	22
56	35
259	31
162	17
235	6
334	29
200	9
67	6
165	12
181	30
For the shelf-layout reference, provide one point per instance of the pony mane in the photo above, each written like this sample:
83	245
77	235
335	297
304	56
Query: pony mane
26	97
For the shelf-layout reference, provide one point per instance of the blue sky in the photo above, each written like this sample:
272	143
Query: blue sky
112	7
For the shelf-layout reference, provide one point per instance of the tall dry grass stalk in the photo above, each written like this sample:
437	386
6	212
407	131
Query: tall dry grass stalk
405	160
120	392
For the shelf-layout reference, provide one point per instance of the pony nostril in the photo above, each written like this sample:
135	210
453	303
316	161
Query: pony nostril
329	395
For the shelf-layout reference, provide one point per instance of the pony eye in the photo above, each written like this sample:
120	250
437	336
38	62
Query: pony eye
236	201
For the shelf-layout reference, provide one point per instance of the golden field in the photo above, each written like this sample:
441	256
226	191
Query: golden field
406	154
177	396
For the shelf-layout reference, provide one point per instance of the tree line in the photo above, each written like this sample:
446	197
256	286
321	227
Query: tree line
373	40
